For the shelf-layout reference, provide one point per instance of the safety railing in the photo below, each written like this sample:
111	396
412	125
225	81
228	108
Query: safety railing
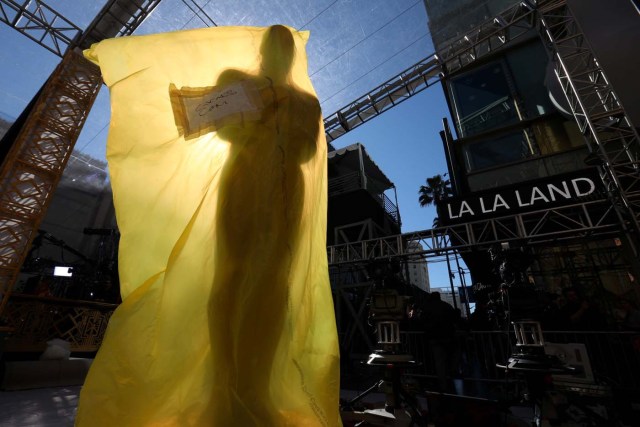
353	181
345	183
389	207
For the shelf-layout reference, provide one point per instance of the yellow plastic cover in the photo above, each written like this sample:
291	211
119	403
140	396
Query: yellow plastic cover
217	156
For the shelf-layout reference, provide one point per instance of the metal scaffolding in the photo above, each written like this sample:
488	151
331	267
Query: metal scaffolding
117	18
484	40
40	23
489	36
411	81
603	122
589	219
601	118
31	171
34	165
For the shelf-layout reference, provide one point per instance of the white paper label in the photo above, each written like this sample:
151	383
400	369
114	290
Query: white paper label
208	109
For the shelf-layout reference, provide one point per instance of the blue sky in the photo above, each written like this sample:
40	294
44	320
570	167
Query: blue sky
355	45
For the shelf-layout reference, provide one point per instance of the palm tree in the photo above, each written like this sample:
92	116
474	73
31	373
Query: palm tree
437	188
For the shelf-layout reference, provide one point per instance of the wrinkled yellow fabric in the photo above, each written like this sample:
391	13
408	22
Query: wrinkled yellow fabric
227	316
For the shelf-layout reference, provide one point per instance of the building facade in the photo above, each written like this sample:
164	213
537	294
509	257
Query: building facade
516	148
418	272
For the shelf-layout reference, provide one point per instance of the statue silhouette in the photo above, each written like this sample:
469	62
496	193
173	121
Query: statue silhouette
259	212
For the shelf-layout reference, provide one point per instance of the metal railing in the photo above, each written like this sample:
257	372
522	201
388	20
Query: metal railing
345	183
353	181
389	207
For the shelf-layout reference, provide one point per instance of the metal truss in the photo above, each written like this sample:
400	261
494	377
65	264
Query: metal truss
351	301
34	165
606	257
588	219
610	135
596	108
507	26
603	117
40	23
489	36
117	18
122	17
411	81
54	32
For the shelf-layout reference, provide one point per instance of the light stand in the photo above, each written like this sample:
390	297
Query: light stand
531	362
400	408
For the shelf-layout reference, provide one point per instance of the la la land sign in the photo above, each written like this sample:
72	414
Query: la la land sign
527	197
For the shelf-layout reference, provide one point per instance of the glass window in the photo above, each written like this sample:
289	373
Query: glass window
555	134
496	151
528	67
483	100
534	168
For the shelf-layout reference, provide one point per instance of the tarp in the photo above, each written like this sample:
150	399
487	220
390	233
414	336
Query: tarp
218	158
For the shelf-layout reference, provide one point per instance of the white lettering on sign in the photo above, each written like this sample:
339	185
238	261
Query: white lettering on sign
482	208
532	197
520	202
499	203
552	188
592	186
451	215
536	195
465	209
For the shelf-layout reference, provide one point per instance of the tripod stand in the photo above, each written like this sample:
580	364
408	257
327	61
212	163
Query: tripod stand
531	362
401	409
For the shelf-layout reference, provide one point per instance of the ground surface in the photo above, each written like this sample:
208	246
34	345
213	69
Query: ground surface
43	407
